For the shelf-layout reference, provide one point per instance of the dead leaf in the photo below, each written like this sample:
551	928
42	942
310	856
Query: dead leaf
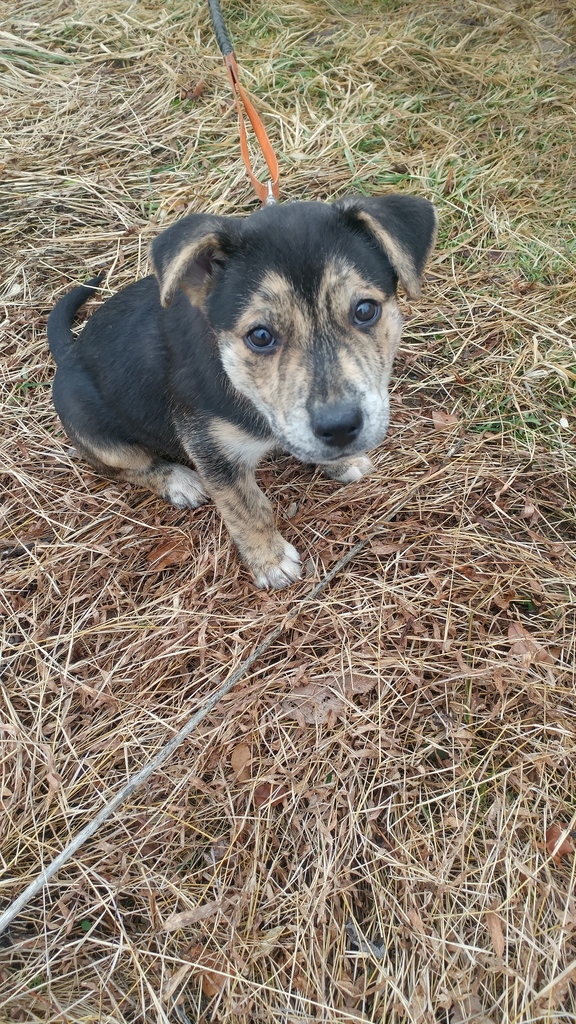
499	681
317	38
345	984
449	184
496	934
528	511
358	682
54	781
171	552
471	573
556	990
213	980
417	1008
526	647
385	549
193	92
469	1011
320	703
175	981
555	848
451	821
211	984
504	599
240	758
188	917
311	705
211	967
331	719
443	420
266	793
416	921
266	942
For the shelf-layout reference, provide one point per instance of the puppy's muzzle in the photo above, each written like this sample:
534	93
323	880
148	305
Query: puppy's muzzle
337	425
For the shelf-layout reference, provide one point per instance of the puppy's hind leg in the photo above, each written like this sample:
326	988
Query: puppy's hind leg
177	484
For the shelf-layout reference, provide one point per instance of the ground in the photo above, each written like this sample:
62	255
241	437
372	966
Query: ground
375	824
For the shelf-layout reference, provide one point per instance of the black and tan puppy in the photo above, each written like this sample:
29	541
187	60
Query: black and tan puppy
273	331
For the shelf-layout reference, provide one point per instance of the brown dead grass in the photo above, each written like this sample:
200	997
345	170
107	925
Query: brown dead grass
375	824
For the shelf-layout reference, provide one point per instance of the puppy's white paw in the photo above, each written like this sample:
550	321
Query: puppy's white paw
184	488
348	471
283	573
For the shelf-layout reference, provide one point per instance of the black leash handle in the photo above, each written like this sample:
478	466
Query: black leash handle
222	37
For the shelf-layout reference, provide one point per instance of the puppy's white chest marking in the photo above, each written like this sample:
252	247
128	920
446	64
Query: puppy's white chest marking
237	444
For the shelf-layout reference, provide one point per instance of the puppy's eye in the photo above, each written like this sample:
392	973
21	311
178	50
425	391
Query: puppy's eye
260	339
366	313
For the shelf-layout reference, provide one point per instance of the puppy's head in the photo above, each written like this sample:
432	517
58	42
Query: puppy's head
302	300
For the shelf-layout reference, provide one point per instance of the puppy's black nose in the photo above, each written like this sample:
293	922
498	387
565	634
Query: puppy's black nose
338	424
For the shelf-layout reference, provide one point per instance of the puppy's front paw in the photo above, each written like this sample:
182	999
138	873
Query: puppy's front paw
184	488
280	573
348	471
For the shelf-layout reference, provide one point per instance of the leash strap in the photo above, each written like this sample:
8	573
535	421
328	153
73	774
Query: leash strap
269	192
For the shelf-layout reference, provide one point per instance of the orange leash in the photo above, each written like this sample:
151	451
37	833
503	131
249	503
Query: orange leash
269	192
264	192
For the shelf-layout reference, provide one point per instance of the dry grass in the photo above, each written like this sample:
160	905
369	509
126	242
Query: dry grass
362	829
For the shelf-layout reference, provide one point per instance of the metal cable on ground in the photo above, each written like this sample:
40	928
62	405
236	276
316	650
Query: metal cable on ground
133	784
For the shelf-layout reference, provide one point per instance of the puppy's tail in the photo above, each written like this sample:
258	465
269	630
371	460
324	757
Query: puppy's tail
59	330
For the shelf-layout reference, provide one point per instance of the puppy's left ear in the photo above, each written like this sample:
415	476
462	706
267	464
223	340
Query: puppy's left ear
404	226
189	255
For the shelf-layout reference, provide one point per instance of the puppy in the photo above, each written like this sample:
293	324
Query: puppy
277	330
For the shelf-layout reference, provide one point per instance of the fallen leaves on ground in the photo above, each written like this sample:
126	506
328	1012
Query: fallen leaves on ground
172	552
557	849
468	1010
240	760
494	925
557	990
322	701
443	420
187	917
266	793
209	966
526	647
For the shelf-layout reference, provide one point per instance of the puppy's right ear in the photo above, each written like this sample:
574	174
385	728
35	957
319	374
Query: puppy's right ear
403	226
189	254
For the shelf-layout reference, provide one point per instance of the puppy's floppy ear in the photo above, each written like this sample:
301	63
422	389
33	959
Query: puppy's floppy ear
404	226
189	254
